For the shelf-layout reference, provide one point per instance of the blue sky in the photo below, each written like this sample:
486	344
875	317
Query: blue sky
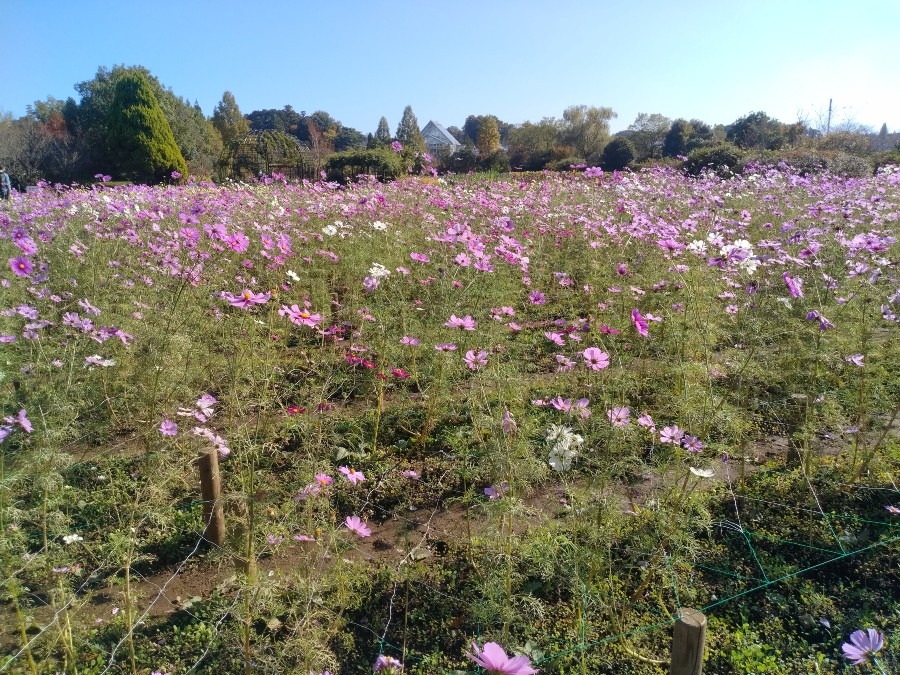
711	59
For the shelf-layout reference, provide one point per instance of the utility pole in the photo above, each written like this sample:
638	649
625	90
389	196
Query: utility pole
828	125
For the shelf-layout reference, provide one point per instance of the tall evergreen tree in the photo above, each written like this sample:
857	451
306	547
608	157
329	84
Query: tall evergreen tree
408	131
227	118
383	132
142	146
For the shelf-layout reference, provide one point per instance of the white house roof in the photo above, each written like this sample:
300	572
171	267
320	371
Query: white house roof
435	134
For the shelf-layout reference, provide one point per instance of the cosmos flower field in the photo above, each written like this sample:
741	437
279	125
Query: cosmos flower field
537	413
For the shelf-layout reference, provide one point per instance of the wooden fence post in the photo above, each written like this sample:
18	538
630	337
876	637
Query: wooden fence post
688	639
211	493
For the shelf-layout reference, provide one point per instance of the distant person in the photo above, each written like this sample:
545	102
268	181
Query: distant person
5	185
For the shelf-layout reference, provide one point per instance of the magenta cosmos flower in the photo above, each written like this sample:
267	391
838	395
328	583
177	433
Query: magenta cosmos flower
794	285
21	266
862	645
355	524
301	317
595	358
640	324
494	660
246	299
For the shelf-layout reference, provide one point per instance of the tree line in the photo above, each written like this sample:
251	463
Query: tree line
127	125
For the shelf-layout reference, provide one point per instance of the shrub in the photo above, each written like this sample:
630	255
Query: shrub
850	166
565	164
385	164
723	158
617	154
885	158
805	162
497	161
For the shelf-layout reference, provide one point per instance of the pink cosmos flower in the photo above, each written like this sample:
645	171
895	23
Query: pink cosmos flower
22	420
795	286
496	491
168	428
692	443
595	358
466	322
647	422
300	317
387	665
411	474
246	299
561	404
446	347
420	257
508	424
409	341
855	359
303	537
619	416
581	407
565	363
862	645
639	323
21	266
494	660
474	360
671	435
355	524
555	338
324	479
352	474
536	298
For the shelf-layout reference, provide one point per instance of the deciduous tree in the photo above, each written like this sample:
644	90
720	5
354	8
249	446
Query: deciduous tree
488	137
228	120
586	128
648	131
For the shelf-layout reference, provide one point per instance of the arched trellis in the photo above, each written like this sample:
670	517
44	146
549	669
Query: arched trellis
262	153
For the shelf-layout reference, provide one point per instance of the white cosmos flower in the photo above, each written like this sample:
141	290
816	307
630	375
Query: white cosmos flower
72	538
703	473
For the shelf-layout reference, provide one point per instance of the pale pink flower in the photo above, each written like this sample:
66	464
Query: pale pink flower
474	360
352	474
619	416
671	435
355	524
595	358
168	428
